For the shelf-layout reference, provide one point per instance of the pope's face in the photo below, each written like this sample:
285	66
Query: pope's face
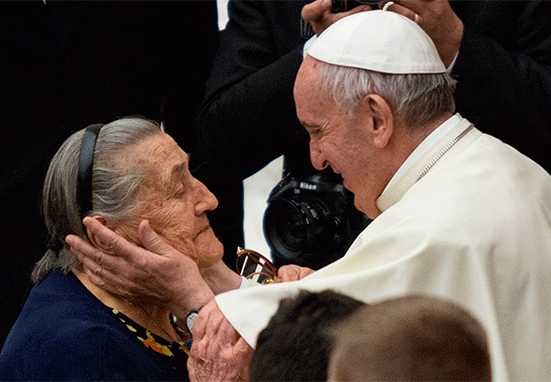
336	140
174	202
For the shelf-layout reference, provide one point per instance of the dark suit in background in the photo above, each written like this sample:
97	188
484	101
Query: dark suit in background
504	72
248	116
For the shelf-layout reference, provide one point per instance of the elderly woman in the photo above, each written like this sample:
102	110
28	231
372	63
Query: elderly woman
119	174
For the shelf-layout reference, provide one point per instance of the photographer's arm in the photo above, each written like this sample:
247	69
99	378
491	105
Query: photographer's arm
248	116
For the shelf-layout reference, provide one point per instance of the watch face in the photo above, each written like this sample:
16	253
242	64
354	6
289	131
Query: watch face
190	320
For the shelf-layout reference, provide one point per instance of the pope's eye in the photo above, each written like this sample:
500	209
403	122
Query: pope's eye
317	132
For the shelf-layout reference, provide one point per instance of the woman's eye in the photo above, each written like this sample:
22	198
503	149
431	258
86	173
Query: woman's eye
180	189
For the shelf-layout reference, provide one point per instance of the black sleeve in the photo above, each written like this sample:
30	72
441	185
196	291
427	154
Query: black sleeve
248	117
504	73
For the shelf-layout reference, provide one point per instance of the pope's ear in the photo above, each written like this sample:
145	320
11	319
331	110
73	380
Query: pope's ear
381	117
95	240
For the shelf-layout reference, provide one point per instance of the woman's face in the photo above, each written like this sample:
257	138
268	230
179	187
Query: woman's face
174	202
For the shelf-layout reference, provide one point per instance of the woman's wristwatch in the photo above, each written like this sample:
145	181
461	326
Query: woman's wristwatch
190	319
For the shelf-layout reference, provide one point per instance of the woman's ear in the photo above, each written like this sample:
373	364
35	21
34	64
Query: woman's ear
95	240
382	125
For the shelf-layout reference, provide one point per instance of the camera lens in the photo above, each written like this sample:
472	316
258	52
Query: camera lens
292	227
311	220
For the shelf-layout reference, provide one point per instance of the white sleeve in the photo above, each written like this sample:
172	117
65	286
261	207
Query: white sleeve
246	283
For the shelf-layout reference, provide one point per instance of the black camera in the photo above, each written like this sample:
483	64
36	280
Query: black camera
311	220
346	5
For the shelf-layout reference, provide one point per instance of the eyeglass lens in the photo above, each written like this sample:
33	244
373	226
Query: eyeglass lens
252	265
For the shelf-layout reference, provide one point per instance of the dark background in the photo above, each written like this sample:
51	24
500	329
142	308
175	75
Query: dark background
67	64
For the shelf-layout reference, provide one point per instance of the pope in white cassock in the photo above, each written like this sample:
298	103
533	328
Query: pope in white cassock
461	216
457	213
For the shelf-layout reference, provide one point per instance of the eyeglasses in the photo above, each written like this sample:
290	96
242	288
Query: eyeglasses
254	266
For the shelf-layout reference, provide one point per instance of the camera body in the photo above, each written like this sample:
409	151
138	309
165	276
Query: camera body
346	5
311	220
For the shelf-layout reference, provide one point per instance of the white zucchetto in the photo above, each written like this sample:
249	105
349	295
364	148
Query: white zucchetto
380	41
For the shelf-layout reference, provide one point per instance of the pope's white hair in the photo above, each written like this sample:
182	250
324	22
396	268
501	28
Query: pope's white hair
416	98
115	183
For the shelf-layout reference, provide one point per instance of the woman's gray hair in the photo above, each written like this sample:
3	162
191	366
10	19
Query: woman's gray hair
115	184
416	98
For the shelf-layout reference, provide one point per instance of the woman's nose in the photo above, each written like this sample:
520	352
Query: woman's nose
206	201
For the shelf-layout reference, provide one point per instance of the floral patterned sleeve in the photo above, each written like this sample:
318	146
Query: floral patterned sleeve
218	352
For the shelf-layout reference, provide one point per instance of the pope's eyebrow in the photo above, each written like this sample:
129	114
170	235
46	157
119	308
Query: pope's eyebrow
312	125
312	128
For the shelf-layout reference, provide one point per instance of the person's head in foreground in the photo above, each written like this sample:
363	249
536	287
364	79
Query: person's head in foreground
296	343
367	105
411	338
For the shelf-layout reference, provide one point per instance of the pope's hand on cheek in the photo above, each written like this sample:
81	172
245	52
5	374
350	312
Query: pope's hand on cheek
156	273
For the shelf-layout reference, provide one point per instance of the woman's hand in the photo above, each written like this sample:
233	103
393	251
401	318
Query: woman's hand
156	274
292	273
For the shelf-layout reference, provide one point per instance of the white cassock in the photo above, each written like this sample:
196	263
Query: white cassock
475	229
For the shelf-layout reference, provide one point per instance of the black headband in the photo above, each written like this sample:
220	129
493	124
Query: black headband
85	165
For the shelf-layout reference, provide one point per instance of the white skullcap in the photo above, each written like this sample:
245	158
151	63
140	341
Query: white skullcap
380	41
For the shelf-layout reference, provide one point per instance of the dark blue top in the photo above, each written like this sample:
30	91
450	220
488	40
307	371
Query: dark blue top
65	333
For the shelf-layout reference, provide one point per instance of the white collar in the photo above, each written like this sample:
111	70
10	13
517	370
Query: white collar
424	157
427	143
